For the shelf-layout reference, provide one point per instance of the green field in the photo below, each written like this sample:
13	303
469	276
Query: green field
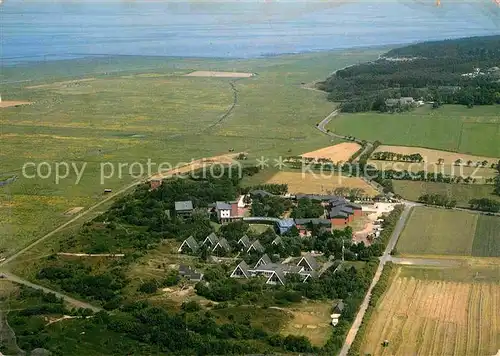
451	128
139	108
438	232
434	231
462	193
487	237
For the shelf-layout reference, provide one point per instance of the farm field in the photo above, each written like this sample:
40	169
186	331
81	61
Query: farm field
311	183
337	153
452	128
482	173
434	231
126	110
462	193
438	232
487	237
432	156
482	176
429	316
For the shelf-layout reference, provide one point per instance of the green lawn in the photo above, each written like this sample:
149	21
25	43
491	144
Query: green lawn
462	193
135	109
436	231
451	127
487	237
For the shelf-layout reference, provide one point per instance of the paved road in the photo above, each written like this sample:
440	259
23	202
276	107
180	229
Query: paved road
77	303
386	257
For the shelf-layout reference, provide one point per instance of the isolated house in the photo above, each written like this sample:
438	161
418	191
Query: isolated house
190	273
221	247
189	245
183	208
154	184
226	211
244	242
241	271
308	263
211	240
337	311
338	307
256	246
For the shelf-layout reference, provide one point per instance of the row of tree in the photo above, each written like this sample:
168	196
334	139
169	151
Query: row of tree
437	199
393	156
485	204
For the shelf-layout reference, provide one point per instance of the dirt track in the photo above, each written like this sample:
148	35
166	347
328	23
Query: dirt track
206	73
72	301
9	103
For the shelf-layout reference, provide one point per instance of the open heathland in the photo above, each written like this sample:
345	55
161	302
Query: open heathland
126	110
451	128
438	232
337	153
423	316
205	73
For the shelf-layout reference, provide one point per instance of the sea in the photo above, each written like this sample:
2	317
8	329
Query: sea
52	30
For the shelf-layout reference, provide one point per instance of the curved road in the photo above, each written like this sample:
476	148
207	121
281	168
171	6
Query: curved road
327	119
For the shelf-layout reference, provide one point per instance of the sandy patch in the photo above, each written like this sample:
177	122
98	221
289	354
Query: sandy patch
432	156
311	320
60	83
9	103
362	235
310	183
74	210
205	73
341	152
226	159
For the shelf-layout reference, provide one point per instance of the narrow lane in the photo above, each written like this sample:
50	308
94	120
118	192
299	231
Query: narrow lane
351	335
72	301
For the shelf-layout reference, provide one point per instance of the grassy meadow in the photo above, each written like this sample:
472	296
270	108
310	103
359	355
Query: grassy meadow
451	128
438	232
131	109
487	237
435	231
462	193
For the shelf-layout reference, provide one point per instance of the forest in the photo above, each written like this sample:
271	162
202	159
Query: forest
463	71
